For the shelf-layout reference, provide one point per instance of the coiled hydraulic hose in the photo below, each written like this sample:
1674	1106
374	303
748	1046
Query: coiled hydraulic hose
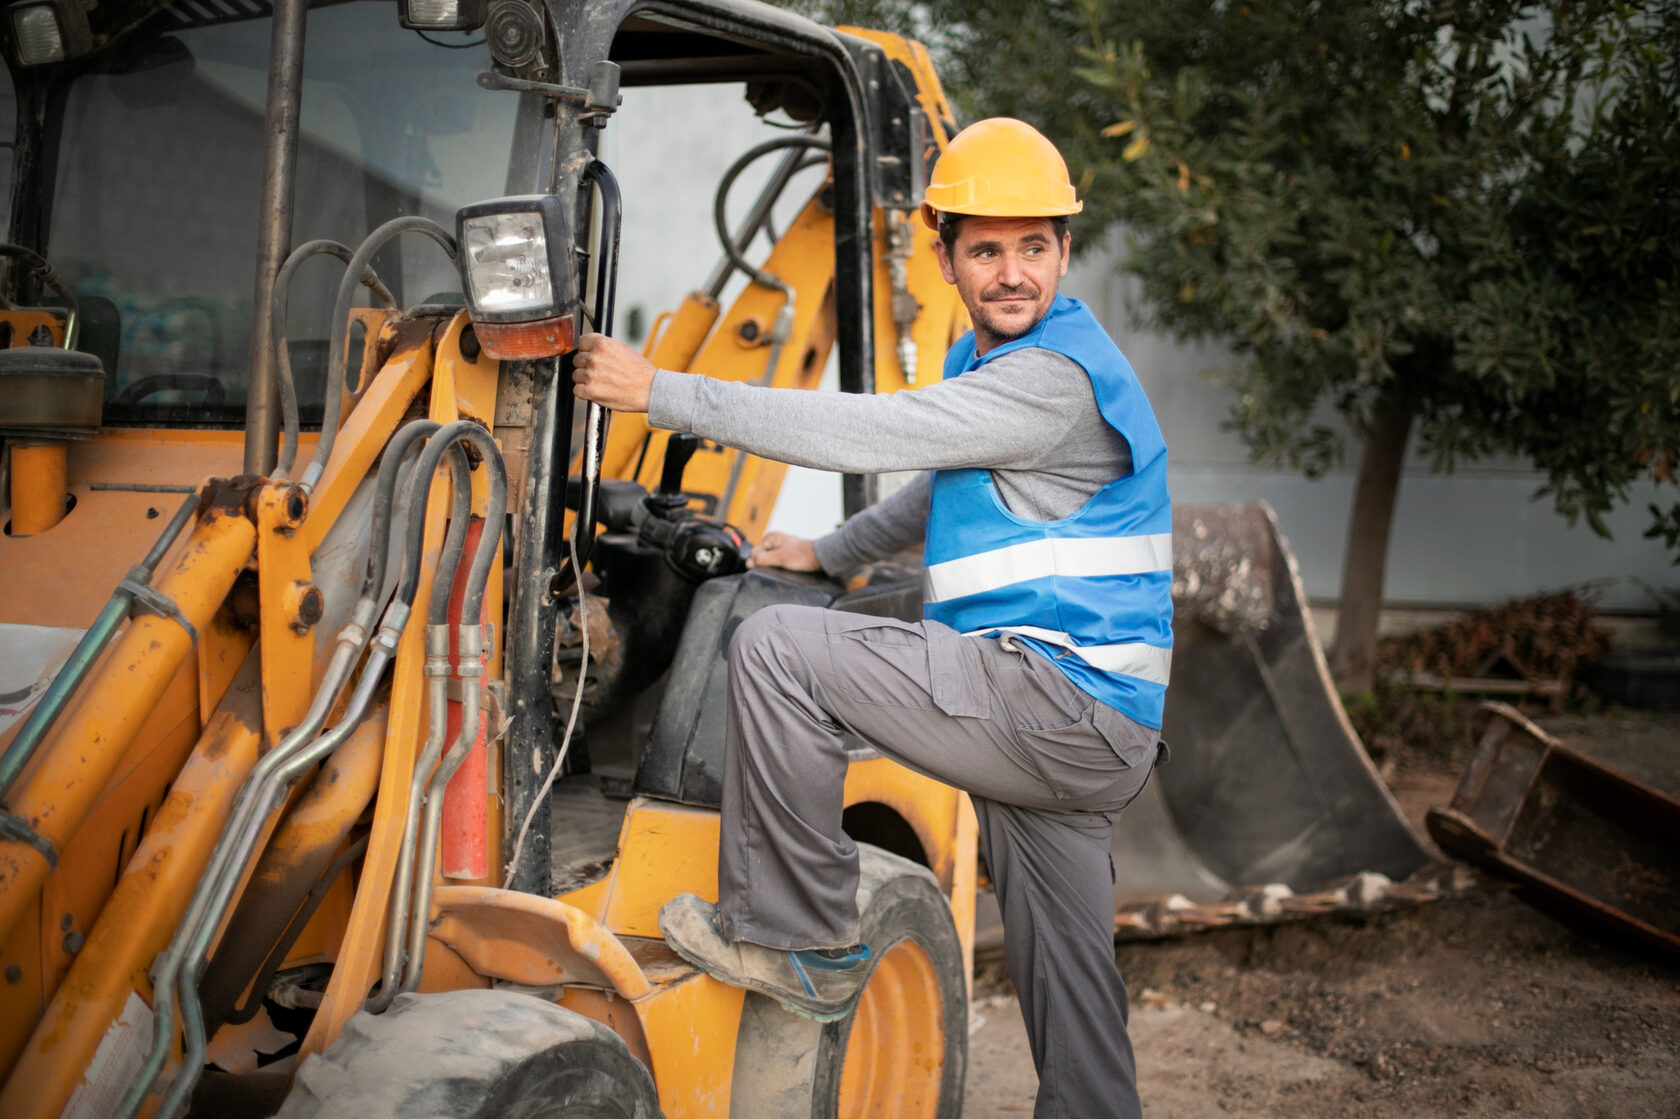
283	352
720	203
338	352
782	329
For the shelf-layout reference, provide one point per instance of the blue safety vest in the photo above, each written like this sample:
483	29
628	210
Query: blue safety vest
1093	591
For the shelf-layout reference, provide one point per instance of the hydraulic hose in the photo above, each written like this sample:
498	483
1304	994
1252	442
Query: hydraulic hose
282	351
461	431
385	490
412	884
460	516
437	673
720	203
338	355
782	328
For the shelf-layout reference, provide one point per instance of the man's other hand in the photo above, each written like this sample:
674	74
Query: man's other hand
611	374
778	549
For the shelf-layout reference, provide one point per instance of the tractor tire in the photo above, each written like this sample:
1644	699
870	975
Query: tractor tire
903	1052
485	1054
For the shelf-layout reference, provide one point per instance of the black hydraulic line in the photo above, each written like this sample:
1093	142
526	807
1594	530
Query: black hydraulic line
720	217
338	349
758	217
290	421
444	440
460	515
419	846
770	231
385	492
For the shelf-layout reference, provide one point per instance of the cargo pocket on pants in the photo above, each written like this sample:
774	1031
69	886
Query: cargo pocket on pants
1139	746
876	663
1075	760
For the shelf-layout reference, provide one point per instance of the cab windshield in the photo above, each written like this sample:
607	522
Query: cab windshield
158	180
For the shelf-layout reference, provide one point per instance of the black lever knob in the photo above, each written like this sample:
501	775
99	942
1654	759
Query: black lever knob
678	450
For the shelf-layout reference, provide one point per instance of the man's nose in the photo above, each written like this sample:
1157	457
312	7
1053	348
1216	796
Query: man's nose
1009	270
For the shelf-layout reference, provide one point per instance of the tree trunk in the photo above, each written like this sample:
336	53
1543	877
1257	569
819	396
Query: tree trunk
1354	662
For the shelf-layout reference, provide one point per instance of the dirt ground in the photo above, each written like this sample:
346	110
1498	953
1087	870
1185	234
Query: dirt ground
1474	1006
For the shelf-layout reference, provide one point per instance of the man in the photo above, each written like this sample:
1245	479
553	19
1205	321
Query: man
1035	682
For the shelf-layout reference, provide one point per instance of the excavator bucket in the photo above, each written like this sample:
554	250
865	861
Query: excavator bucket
1580	839
1268	806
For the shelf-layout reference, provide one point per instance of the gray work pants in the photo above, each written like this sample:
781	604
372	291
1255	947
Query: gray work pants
1048	769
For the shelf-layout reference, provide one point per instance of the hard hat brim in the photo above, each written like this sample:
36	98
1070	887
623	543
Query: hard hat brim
930	215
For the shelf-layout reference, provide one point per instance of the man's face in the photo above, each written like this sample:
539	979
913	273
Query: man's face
1006	271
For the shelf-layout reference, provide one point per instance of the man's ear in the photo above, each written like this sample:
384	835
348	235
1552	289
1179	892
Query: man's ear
943	256
1067	251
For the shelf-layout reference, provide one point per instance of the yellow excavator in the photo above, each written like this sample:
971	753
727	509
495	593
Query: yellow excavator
289	293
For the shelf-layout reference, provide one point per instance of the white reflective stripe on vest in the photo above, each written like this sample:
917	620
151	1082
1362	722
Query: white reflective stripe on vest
1036	559
1134	658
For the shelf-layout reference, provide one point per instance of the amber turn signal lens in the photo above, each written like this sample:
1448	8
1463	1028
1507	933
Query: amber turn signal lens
527	341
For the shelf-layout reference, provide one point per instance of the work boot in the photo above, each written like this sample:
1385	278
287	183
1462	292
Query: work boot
819	984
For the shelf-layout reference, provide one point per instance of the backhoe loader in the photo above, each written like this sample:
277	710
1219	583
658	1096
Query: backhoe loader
290	290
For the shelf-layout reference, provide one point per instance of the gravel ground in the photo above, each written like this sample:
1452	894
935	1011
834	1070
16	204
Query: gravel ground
1475	1006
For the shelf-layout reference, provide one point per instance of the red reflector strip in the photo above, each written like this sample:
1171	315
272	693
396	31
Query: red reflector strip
525	341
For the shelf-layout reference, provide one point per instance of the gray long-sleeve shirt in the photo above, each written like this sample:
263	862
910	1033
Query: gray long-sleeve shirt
1030	417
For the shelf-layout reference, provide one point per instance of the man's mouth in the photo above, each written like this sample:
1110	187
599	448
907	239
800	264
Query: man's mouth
1011	297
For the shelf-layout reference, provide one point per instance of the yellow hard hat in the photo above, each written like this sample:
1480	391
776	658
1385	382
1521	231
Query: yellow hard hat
999	168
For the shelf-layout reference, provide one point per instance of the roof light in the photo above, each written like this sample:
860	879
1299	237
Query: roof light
48	31
442	15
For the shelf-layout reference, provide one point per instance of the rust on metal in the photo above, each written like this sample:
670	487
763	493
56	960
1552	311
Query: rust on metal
288	651
1580	838
234	496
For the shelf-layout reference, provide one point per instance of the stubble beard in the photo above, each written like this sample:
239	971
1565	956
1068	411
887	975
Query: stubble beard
1005	331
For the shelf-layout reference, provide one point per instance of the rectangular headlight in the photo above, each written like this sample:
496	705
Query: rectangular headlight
442	15
50	31
505	258
515	256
